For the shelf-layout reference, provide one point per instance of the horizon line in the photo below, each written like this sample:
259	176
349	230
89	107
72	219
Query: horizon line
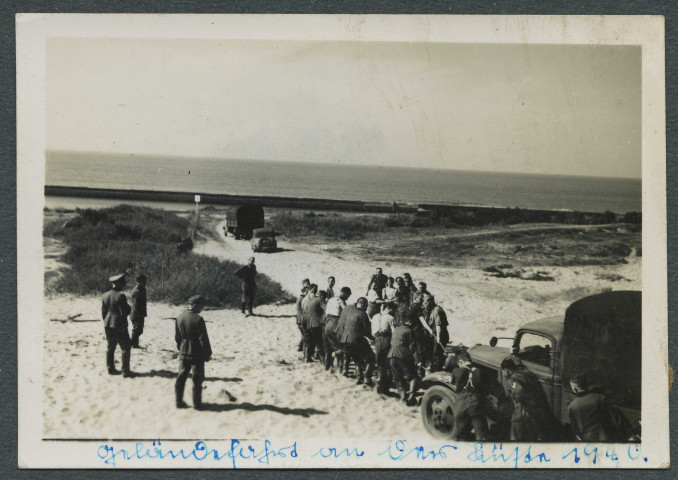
336	164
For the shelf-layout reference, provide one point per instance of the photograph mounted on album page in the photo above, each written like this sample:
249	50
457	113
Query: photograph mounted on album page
341	241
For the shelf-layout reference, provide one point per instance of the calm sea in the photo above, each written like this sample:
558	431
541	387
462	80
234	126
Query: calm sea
343	182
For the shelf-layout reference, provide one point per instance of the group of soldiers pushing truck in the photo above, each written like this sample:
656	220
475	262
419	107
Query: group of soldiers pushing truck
402	321
397	332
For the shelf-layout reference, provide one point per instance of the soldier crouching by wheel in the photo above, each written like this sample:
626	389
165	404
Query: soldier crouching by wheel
194	350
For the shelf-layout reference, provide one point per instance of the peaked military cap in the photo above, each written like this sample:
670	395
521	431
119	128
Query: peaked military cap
117	278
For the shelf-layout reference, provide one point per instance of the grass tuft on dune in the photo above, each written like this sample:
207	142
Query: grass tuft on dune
102	242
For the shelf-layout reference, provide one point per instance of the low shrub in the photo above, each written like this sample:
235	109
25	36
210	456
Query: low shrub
140	239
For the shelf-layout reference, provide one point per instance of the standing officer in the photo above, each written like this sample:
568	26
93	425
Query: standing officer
333	309
402	358
138	309
247	274
194	348
114	311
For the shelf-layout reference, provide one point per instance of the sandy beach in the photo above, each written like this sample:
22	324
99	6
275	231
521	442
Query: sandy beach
256	383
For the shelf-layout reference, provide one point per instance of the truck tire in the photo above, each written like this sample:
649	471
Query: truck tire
437	412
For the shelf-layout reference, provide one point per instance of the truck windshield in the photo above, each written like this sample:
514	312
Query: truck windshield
535	348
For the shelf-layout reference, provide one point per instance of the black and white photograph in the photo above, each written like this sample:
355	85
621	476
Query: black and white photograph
341	241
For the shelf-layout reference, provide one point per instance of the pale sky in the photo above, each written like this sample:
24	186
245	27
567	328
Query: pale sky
573	110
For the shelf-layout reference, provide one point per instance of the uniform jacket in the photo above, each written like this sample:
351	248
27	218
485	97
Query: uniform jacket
380	281
138	302
315	311
304	309
191	337
300	312
588	414
247	274
403	344
114	309
356	325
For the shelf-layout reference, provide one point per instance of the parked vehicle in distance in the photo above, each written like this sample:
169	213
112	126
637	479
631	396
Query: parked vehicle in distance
241	220
600	335
263	240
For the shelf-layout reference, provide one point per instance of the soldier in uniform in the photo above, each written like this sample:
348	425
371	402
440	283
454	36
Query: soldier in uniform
382	329
114	311
247	274
194	348
418	294
354	339
315	309
469	406
589	412
138	309
532	418
333	309
436	319
378	280
402	358
305	284
330	287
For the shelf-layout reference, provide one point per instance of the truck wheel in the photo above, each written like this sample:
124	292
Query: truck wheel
437	412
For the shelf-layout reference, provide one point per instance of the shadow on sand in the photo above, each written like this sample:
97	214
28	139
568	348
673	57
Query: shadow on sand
303	412
173	375
272	316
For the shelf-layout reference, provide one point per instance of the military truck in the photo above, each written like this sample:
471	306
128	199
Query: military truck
241	220
600	334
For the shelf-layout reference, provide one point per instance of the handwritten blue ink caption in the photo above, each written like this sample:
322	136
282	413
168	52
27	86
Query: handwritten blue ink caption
249	455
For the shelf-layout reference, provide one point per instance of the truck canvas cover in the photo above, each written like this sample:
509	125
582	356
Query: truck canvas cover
603	337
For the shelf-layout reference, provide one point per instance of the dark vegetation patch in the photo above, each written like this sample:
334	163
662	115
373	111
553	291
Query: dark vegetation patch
426	241
102	242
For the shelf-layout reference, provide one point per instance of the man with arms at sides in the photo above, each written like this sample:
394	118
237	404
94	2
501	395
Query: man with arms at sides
305	316
330	287
138	309
194	347
316	311
305	283
354	339
114	311
333	310
248	275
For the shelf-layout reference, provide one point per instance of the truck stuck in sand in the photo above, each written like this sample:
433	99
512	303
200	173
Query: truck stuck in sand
600	335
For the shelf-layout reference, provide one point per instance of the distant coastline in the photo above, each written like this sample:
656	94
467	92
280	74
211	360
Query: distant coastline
459	213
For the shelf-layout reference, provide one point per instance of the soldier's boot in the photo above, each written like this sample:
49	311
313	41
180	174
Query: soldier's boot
179	395
135	340
126	372
242	307
300	348
197	397
412	398
110	363
368	375
401	394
